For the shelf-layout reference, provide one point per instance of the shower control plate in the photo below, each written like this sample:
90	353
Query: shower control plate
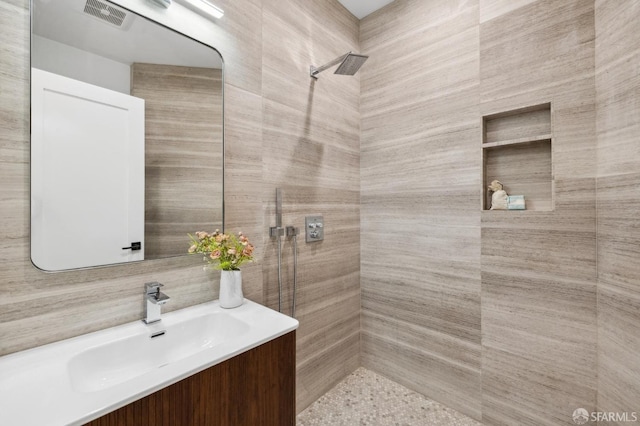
314	228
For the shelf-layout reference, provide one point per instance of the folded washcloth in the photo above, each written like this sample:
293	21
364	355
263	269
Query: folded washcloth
515	202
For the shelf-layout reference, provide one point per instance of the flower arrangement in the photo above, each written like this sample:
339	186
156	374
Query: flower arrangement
226	252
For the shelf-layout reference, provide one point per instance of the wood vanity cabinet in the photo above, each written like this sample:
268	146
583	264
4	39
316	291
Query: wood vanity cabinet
254	388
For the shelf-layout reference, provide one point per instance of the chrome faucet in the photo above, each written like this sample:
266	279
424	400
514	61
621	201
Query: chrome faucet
155	299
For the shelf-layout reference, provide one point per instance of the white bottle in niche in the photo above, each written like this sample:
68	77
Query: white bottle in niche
230	289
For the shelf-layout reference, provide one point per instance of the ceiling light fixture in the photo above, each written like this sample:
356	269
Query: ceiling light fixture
205	7
162	3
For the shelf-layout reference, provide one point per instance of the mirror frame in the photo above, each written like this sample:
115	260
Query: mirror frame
222	144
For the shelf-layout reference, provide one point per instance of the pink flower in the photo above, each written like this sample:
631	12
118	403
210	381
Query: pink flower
222	250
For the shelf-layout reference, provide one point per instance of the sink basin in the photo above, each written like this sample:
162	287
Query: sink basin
124	359
74	381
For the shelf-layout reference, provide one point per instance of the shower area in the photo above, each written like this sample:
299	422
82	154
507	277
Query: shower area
504	317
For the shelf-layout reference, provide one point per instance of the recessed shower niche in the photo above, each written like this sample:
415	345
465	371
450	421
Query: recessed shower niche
517	151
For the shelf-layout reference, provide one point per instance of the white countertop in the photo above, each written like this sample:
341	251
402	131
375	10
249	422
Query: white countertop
36	386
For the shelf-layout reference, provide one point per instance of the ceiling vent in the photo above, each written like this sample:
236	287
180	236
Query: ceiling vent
105	12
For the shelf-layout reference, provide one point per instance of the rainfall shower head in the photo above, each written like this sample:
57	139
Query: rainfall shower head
349	65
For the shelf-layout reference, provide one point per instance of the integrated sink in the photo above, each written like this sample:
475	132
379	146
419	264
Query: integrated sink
74	381
124	359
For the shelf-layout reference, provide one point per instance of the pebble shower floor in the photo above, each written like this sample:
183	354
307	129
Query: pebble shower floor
365	398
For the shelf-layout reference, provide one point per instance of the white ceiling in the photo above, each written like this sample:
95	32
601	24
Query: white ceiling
361	8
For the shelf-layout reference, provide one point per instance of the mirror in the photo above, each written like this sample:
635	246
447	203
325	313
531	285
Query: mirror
126	136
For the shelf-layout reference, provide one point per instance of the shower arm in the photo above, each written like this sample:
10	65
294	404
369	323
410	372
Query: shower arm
315	71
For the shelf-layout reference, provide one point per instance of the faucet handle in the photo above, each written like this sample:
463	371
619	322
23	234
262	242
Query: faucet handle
152	287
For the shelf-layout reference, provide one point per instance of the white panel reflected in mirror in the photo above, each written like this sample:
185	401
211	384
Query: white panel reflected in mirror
88	173
101	179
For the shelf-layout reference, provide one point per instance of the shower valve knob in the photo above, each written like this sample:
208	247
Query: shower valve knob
315	228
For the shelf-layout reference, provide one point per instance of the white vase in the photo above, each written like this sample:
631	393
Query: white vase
230	289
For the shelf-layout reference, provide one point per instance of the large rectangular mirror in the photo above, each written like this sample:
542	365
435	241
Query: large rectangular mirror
126	136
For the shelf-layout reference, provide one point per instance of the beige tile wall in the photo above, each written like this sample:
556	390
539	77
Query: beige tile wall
36	307
618	129
506	296
281	130
311	149
420	172
539	268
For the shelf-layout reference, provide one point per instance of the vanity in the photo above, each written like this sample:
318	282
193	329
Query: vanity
201	365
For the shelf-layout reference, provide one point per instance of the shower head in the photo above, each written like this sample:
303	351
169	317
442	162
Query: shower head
349	65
